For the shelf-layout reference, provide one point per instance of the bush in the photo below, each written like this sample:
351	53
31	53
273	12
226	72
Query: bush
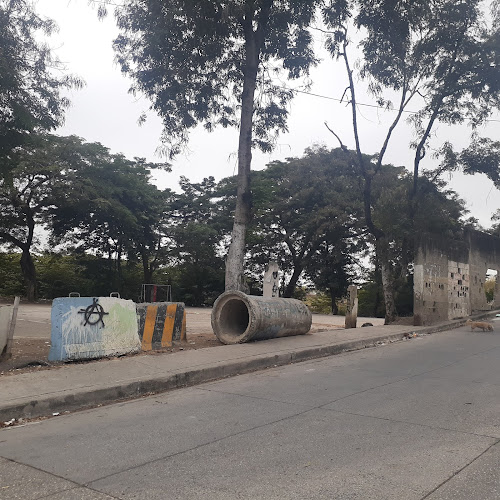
319	302
370	301
11	279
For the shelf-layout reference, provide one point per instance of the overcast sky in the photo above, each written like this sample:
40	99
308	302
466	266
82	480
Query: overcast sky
104	112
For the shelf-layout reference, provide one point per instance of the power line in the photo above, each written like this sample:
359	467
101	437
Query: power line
107	2
364	104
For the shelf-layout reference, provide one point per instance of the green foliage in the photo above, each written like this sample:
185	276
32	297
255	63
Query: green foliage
370	303
109	206
440	212
489	289
10	275
218	63
27	185
197	230
30	90
191	60
32	175
442	50
370	298
439	55
481	156
308	217
58	275
108	200
319	303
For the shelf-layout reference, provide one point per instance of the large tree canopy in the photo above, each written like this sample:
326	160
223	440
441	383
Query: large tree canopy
192	58
218	63
438	56
109	206
34	173
30	86
302	206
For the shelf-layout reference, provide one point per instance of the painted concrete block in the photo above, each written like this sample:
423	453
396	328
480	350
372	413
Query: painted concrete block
5	316
271	281
93	327
160	323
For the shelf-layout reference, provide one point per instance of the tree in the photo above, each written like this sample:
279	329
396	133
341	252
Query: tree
30	91
441	212
305	207
197	232
331	266
109	206
481	156
438	54
27	194
217	63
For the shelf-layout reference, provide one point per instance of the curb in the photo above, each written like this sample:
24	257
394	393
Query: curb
89	398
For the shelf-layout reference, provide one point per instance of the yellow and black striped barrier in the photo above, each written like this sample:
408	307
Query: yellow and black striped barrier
160	323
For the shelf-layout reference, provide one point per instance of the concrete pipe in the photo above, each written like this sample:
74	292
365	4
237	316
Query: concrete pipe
238	318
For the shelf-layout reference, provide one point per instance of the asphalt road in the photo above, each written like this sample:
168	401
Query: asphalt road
412	420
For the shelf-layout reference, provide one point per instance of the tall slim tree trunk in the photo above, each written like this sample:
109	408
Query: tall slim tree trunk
119	270
29	274
381	246
242	215
335	309
377	280
147	270
386	271
27	264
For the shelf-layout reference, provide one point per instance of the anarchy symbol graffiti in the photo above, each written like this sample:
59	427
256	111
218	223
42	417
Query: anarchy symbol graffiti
93	314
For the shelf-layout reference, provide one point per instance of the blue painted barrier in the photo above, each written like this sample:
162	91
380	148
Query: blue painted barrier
93	327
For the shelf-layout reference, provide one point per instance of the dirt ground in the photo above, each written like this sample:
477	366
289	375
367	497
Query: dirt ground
32	336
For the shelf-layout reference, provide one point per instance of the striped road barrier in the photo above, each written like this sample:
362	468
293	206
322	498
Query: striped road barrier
160	323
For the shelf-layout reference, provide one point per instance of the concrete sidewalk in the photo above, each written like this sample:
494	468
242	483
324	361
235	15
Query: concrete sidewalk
75	386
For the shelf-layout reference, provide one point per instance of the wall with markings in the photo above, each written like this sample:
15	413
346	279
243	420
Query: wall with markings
93	327
450	275
160	323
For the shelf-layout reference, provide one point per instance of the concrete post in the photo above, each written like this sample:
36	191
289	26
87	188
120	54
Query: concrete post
238	318
351	314
6	352
271	282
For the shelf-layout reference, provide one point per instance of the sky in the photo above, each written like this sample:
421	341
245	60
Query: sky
103	111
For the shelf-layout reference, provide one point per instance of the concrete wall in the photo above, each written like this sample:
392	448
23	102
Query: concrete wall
5	317
484	255
450	275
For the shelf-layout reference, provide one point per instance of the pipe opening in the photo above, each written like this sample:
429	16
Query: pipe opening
234	317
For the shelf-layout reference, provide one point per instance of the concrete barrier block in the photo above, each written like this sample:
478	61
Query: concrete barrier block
5	316
160	323
92	327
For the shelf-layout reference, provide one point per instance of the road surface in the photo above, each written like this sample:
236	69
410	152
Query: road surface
418	419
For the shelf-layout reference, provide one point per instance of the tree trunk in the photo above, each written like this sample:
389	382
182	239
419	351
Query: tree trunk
29	275
119	270
377	280
387	280
290	287
27	264
147	269
381	246
335	309
236	254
